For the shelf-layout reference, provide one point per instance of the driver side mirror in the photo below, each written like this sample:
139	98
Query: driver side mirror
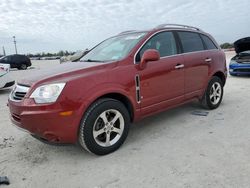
149	55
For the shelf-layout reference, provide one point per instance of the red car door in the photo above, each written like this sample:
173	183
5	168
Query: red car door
162	81
196	73
196	65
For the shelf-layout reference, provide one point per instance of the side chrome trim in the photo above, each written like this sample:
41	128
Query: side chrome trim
137	89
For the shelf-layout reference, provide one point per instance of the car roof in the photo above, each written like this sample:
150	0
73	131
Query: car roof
17	55
163	27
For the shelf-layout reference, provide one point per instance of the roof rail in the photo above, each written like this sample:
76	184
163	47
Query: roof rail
129	31
177	26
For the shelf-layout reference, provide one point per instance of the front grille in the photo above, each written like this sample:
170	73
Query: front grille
242	70
19	92
19	95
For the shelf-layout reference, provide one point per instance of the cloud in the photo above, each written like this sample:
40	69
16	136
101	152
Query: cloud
43	25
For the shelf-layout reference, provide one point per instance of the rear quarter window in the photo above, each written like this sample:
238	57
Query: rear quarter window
208	42
24	58
191	42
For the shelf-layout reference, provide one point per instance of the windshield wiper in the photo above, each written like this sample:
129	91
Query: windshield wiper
92	60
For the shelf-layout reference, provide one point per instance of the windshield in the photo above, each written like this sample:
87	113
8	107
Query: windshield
114	48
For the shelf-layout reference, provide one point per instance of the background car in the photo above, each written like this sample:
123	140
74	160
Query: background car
75	57
5	80
240	63
16	61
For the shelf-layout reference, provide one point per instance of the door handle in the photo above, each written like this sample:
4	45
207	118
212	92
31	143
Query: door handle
179	66
208	60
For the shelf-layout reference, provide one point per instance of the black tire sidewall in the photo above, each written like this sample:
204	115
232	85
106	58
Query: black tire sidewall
23	66
87	125
210	105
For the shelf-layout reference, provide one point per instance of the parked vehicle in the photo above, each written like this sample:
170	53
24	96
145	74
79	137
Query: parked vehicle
51	58
35	58
240	63
122	80
75	57
5	80
16	61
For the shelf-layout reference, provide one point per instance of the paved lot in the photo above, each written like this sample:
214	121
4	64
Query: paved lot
171	149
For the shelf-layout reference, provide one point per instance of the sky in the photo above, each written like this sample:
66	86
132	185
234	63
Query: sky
53	25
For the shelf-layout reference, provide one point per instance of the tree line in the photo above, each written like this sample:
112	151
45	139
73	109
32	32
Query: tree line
48	54
227	45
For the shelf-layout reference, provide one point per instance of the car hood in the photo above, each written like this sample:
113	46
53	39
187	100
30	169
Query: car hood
62	72
242	45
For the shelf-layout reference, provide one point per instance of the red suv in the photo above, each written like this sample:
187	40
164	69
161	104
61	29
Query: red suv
123	79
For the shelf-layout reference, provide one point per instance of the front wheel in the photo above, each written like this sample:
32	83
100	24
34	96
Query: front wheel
104	126
213	94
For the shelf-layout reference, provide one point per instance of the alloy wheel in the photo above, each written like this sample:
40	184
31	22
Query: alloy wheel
215	93
108	128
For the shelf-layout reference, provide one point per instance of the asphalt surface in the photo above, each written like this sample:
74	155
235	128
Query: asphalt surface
176	148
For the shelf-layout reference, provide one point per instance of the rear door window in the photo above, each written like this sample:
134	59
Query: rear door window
190	41
15	58
163	42
19	58
208	42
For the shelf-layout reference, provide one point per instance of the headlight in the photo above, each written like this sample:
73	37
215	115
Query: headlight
47	93
233	62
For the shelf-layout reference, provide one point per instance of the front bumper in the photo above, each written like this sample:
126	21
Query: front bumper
239	69
45	121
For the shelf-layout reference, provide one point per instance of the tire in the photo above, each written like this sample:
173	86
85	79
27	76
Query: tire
98	133
213	94
23	67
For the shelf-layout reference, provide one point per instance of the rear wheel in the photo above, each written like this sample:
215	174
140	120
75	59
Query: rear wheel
23	67
104	126
213	94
